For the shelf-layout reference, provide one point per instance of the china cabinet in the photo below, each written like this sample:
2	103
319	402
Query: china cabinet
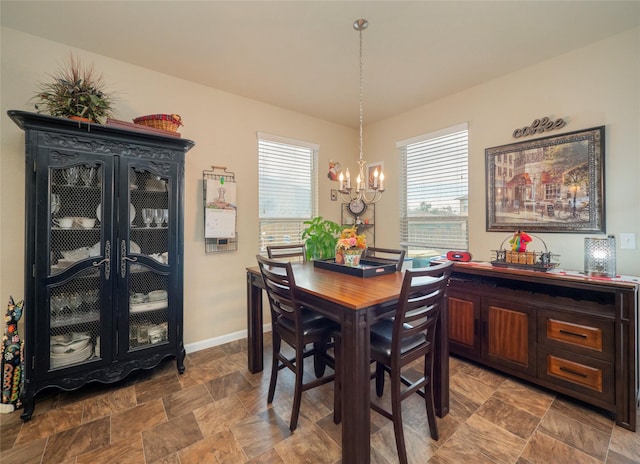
104	260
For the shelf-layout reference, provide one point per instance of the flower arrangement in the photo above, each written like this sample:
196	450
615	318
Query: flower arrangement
350	246
350	240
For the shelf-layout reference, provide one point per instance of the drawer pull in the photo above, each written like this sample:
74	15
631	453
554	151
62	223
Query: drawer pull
569	371
566	332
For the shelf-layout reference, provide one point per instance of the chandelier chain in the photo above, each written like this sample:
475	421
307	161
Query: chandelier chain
361	94
366	190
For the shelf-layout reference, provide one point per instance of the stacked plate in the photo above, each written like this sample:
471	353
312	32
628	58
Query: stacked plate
70	349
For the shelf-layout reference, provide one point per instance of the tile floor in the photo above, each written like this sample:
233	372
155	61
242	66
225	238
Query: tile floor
217	413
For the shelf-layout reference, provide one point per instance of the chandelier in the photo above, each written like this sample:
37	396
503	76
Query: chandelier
368	188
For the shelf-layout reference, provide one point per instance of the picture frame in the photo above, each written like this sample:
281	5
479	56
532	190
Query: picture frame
550	184
370	170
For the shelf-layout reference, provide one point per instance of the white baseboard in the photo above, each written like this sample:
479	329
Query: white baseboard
221	340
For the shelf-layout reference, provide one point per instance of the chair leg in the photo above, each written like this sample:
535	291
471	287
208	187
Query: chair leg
379	379
396	411
276	342
428	398
297	394
319	363
431	413
337	383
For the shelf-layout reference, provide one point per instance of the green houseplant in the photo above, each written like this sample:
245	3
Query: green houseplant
75	91
320	238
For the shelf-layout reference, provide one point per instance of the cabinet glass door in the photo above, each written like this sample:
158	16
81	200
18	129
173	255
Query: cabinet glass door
147	257
76	257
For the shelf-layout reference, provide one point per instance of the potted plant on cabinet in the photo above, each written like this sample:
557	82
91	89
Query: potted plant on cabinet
320	238
76	91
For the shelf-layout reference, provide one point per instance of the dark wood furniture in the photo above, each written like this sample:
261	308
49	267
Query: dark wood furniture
298	327
292	252
103	277
398	342
388	255
356	303
574	335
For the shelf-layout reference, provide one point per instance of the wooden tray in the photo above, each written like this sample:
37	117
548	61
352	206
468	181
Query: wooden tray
526	267
367	268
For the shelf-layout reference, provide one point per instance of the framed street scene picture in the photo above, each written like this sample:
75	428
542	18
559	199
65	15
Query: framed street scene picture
551	184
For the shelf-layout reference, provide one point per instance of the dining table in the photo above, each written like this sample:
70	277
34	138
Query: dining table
356	303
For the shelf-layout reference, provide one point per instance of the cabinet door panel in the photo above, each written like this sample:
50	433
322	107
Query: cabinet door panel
148	307
147	249
463	319
72	259
509	335
75	321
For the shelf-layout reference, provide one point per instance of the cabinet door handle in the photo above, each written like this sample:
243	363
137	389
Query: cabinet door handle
124	258
106	261
574	334
570	371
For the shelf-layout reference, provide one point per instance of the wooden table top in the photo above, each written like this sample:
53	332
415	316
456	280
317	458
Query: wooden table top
343	289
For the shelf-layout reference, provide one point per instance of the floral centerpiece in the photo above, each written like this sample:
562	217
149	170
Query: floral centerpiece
350	246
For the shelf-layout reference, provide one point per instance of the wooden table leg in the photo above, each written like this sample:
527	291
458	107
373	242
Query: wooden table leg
441	366
254	323
356	443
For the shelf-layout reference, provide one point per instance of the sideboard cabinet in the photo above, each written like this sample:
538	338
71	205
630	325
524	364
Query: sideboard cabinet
574	335
104	252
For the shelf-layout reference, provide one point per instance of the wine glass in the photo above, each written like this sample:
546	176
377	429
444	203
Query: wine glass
71	175
57	304
75	300
165	216
87	175
158	216
147	216
55	203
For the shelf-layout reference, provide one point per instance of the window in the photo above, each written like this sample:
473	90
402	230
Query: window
435	190
287	188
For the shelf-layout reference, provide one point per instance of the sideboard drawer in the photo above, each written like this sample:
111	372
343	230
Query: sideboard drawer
591	377
590	336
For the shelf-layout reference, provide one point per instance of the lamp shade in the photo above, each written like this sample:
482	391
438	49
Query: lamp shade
600	256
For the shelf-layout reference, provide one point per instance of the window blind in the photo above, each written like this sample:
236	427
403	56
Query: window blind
434	190
287	186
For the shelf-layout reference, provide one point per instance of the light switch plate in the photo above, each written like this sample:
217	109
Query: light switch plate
628	241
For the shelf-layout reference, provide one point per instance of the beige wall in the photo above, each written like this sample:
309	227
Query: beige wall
224	128
593	86
596	85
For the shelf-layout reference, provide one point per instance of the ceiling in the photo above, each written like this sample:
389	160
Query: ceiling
303	55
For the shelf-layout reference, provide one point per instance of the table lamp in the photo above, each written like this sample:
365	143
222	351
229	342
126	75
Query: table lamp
600	256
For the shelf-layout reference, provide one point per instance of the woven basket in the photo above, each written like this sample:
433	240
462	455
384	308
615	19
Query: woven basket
169	122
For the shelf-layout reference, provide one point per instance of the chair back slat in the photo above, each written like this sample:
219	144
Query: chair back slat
388	255
280	286
291	252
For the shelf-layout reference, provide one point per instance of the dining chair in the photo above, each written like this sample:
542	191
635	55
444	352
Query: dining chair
299	327
398	342
288	252
386	255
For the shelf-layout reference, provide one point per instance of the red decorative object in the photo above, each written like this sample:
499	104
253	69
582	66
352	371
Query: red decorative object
459	256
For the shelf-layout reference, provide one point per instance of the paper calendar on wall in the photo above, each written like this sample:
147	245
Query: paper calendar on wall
220	210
